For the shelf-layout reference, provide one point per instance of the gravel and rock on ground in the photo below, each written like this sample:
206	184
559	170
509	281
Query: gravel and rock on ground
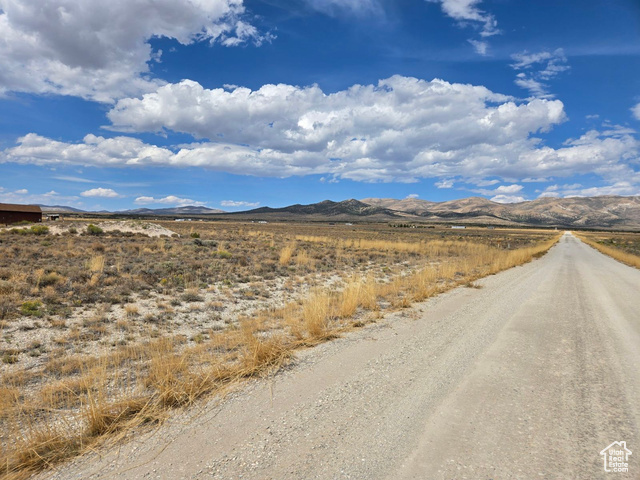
149	229
213	308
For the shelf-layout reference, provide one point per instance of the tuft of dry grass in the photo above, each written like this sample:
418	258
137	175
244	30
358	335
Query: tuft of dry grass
368	297
350	300
39	448
10	397
286	253
68	392
612	251
316	318
303	259
263	353
96	264
105	418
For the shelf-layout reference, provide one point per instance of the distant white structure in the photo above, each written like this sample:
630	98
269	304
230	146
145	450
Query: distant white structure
458	227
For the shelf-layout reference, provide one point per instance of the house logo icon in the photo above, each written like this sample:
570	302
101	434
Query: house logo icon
616	457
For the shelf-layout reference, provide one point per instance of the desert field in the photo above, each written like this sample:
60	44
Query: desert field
107	326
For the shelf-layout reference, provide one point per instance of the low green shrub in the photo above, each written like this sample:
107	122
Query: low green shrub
39	230
94	230
31	308
49	279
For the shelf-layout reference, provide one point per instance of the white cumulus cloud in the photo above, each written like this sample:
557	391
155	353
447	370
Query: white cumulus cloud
507	199
101	192
48	198
468	13
484	182
508	188
503	193
480	46
636	112
444	183
401	129
537	68
100	50
168	200
234	203
576	190
334	7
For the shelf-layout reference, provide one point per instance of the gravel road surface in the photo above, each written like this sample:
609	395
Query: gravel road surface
530	376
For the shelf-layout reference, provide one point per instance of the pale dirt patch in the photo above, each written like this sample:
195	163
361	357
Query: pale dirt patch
128	226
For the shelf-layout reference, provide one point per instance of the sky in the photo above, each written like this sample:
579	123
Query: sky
238	104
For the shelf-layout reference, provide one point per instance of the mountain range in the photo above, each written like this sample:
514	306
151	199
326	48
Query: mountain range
589	212
585	212
346	210
188	210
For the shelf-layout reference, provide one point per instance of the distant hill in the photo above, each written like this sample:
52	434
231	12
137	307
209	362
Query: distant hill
593	212
59	209
328	210
408	205
187	210
604	211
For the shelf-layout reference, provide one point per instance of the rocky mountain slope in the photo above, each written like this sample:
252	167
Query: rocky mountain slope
188	210
594	212
345	210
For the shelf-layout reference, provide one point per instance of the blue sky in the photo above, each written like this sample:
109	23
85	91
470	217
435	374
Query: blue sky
236	104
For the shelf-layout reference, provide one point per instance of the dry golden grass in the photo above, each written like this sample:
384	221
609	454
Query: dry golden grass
286	253
612	251
96	264
316	312
39	448
349	300
105	418
10	396
262	353
303	259
68	392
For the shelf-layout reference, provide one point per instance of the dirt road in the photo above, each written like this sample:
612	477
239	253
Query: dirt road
530	376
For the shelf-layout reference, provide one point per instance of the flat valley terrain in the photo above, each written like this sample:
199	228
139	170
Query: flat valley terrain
542	357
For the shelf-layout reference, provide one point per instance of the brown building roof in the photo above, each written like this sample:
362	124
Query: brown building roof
10	207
